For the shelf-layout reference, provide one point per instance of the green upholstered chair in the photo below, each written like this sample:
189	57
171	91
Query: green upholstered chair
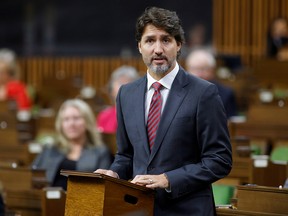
222	193
279	154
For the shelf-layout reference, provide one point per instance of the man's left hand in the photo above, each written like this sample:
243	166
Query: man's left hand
151	181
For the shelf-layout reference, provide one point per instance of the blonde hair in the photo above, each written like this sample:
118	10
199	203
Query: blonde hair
93	135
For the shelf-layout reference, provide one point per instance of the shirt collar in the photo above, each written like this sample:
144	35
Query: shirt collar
166	81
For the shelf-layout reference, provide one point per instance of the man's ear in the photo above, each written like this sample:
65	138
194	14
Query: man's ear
139	48
179	45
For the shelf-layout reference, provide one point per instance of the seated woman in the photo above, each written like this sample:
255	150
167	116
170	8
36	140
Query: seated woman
10	87
79	146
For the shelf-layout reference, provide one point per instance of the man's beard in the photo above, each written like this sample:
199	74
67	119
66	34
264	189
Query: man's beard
159	69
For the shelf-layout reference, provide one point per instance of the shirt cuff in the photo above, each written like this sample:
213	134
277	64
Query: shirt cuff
168	189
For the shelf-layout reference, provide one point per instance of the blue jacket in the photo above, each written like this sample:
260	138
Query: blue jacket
192	144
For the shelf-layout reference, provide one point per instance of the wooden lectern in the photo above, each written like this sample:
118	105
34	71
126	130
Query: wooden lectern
98	194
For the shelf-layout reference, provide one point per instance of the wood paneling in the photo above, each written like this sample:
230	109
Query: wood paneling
94	71
240	26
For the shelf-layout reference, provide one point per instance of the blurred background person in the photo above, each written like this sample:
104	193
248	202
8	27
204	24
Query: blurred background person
79	145
11	88
202	63
277	39
197	38
106	119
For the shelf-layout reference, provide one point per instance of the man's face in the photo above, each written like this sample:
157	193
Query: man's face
159	50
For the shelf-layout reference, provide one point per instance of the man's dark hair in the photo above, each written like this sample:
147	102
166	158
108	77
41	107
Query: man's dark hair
162	19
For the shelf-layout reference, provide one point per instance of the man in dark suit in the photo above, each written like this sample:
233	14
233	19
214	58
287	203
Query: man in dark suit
191	148
202	63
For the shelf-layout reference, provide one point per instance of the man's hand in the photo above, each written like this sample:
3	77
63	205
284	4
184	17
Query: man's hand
152	181
107	172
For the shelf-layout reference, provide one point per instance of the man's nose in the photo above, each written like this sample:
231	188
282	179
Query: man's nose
158	47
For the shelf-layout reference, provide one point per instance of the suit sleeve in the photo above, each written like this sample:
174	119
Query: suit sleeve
214	147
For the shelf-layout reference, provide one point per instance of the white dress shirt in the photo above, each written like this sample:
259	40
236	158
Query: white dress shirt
166	82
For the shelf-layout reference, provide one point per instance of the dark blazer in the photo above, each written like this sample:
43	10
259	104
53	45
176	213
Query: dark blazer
192	143
228	98
91	159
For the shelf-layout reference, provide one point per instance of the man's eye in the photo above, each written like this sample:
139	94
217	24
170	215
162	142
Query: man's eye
166	40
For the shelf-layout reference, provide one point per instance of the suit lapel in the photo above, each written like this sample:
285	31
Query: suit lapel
174	100
140	112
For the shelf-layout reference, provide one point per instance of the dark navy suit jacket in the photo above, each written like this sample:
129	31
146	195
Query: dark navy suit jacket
192	143
228	98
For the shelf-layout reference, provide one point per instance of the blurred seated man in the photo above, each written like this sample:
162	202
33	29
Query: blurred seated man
79	145
277	41
106	119
10	87
202	63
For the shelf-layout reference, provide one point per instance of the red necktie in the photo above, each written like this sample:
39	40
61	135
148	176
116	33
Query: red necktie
154	114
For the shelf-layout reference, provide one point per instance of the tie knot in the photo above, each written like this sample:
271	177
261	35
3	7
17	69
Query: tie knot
156	86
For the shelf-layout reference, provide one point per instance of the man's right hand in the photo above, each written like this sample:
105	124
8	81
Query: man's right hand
107	172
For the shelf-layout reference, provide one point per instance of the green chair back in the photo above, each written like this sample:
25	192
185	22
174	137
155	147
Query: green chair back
280	154
222	193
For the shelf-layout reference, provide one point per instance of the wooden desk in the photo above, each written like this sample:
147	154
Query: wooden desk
262	199
268	114
53	201
237	212
258	200
26	202
263	121
22	178
13	131
45	202
272	175
19	154
260	130
26	192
